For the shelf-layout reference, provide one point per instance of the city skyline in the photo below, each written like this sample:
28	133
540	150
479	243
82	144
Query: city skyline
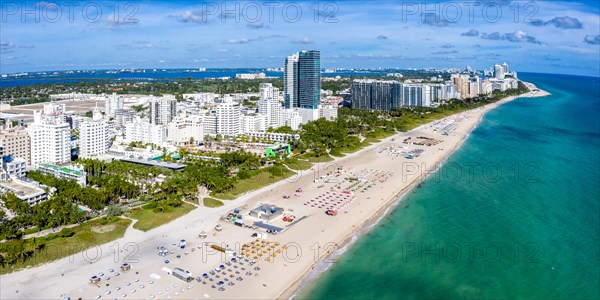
538	36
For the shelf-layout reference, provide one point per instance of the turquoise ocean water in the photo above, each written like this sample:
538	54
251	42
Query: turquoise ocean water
514	213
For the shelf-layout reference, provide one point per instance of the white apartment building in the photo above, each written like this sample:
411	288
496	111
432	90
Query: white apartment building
183	129
50	137
252	122
210	123
329	112
273	110
77	120
292	119
93	136
55	111
441	91
414	94
15	168
112	103
15	141
475	87
307	114
162	109
267	91
499	72
228	114
503	85
124	116
142	131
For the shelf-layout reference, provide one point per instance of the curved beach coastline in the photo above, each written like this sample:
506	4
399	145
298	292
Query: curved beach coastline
327	261
312	238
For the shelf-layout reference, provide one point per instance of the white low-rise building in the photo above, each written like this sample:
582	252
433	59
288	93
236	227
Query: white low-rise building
25	189
120	151
272	136
251	76
66	171
201	98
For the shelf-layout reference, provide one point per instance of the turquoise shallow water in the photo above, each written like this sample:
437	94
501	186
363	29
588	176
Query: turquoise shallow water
525	225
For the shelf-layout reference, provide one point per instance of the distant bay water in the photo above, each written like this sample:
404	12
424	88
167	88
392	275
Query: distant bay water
154	75
525	225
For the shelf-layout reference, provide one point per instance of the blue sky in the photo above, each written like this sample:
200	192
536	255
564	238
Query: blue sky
535	36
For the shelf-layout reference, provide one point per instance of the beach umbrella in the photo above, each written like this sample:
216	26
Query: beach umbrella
220	282
205	275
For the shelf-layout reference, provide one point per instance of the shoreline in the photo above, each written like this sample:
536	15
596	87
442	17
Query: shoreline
309	278
283	277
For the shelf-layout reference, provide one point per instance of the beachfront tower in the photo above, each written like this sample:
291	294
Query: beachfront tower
499	72
302	80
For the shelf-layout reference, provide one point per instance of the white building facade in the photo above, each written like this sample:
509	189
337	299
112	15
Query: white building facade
183	130
141	131
50	138
163	109
228	118
93	136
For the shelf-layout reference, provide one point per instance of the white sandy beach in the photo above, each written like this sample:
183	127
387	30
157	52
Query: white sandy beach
382	174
